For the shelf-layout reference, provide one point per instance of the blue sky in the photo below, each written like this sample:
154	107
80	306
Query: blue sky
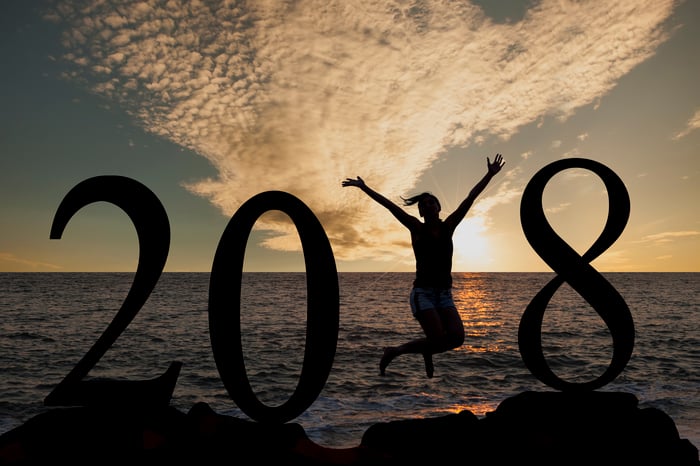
209	103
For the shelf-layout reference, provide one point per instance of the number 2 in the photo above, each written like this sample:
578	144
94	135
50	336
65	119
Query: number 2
153	229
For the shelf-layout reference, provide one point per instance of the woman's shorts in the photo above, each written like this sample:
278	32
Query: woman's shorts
430	298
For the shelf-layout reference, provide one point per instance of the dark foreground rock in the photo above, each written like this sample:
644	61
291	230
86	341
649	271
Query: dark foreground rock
543	428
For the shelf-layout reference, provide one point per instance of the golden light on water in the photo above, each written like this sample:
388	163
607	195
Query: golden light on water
476	307
478	408
481	349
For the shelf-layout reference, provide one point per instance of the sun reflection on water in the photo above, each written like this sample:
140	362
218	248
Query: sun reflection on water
477	307
478	408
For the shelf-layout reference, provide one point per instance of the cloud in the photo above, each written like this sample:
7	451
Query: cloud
691	125
12	262
558	208
296	96
668	236
613	260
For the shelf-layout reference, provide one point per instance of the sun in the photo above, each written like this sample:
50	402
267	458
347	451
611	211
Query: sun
471	247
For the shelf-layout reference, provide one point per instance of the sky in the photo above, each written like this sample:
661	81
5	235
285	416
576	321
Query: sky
208	103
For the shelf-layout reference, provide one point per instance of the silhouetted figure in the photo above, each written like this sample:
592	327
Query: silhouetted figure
431	296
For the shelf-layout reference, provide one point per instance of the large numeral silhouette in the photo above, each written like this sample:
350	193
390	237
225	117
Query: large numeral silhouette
322	307
577	272
152	226
153	229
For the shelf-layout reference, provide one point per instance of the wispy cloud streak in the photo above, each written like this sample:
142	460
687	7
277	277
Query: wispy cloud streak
691	125
669	236
11	262
296	96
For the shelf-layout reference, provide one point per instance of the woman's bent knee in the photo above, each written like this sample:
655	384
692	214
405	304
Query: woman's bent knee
454	340
448	342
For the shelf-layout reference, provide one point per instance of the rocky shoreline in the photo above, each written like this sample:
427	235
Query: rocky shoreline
543	428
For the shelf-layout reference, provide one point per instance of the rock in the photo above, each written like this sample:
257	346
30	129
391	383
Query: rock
543	428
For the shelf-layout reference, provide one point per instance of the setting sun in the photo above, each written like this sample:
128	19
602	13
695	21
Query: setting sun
471	247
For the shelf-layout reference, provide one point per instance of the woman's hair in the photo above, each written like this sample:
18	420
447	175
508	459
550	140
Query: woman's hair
418	198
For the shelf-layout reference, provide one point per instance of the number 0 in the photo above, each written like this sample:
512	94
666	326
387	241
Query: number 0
323	305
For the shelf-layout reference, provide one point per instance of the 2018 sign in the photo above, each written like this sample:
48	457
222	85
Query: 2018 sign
152	226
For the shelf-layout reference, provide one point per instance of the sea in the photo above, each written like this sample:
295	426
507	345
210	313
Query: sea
50	320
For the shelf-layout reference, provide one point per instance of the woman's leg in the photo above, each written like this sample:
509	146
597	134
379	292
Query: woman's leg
416	346
432	325
453	328
443	330
390	352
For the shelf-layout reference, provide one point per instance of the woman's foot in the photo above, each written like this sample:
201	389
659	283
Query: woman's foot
389	354
429	368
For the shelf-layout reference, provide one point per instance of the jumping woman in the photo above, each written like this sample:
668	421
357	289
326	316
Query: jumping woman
431	296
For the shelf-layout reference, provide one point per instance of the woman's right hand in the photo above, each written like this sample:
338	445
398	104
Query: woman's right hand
359	182
495	166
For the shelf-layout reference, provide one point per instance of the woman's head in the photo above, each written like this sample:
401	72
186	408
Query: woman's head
424	200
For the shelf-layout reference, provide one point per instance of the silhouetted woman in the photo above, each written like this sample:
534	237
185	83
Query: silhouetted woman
431	296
